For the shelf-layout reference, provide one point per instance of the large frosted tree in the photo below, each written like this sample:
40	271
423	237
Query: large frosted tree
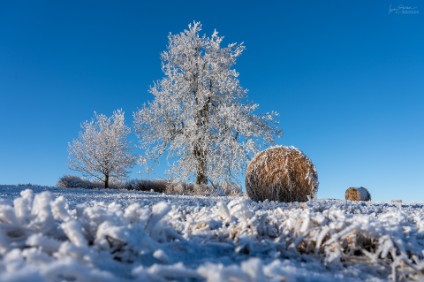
199	115
101	151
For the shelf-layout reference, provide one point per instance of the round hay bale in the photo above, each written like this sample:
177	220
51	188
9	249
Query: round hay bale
282	174
357	194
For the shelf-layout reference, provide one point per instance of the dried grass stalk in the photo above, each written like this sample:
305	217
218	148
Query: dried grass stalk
281	174
357	194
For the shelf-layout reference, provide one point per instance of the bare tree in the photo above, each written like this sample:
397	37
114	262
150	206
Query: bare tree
197	114
101	150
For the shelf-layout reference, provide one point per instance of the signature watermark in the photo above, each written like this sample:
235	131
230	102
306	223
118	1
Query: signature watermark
403	10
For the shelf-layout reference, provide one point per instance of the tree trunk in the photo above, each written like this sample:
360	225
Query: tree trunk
106	180
201	177
201	119
199	150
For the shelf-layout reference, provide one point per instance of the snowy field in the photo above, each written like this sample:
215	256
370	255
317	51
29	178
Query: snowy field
51	234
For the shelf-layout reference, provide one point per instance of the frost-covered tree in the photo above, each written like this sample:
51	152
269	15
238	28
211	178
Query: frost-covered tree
198	114
101	151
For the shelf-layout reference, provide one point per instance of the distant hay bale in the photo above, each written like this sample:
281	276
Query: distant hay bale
397	202
281	174
357	194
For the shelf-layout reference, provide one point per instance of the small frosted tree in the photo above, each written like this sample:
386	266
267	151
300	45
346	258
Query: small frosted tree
198	115
101	151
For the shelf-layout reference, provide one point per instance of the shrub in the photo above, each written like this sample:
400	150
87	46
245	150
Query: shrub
202	189
357	194
223	188
230	188
179	187
176	188
158	186
281	174
72	181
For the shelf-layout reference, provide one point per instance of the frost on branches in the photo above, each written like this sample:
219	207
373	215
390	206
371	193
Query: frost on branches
101	151
198	115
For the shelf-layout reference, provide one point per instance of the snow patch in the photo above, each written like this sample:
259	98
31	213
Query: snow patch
133	236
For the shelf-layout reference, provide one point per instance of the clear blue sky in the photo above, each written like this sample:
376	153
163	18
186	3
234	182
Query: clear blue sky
346	77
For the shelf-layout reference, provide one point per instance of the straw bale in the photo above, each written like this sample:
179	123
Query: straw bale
282	174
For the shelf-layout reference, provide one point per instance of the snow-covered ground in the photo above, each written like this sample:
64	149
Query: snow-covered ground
51	234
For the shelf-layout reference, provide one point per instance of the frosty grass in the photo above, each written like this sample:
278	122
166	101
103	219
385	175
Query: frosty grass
51	234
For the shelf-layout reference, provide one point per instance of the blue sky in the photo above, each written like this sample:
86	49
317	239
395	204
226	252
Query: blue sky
347	78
